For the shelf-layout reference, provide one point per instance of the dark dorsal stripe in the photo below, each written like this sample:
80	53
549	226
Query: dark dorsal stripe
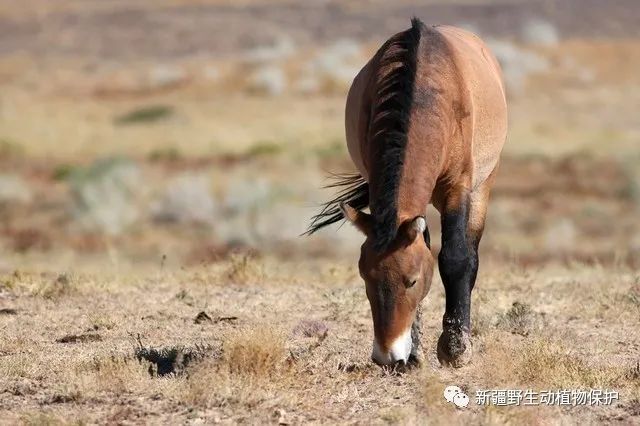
388	132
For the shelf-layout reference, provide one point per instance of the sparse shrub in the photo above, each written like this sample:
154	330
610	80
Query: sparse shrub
281	48
106	195
264	149
517	64
10	149
331	150
187	199
63	172
162	76
165	154
540	32
269	80
561	236
334	68
14	190
147	114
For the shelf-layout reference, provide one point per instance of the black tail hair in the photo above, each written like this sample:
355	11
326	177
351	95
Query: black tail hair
354	192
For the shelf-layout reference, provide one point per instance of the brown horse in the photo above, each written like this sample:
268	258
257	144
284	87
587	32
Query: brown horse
426	119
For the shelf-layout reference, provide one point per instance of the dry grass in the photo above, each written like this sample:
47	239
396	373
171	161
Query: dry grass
545	362
301	353
244	269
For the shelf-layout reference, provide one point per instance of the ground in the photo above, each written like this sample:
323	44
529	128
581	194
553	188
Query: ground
290	343
159	161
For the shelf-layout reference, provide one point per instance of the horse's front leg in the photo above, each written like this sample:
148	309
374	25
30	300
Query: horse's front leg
463	218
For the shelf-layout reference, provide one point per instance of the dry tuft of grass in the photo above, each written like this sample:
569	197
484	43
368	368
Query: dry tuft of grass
520	319
62	285
113	374
257	353
244	269
252	370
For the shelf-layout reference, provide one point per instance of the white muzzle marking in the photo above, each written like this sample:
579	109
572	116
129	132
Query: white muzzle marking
399	351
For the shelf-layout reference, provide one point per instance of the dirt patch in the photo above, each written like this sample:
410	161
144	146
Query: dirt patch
80	338
204	317
172	360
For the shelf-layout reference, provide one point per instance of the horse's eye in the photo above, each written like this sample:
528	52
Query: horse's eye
411	283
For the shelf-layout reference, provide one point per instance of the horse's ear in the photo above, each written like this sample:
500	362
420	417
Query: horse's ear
414	227
359	219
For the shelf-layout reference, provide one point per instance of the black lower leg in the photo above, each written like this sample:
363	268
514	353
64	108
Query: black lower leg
458	263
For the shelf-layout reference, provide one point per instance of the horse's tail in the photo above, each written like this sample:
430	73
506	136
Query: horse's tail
354	191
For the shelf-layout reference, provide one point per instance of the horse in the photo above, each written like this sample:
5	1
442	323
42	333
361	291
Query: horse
425	121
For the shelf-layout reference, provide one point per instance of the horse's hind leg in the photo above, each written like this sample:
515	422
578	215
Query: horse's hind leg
463	217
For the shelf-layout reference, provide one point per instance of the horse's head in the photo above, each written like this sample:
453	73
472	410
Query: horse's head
396	281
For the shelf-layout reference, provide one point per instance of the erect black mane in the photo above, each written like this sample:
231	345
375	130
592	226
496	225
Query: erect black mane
388	131
390	116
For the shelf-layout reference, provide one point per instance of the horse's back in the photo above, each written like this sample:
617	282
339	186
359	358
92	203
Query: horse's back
484	94
482	77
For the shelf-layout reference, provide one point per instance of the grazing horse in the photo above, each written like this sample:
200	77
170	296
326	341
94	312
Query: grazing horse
426	120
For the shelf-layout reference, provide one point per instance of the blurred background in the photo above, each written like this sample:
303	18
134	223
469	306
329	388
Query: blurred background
179	131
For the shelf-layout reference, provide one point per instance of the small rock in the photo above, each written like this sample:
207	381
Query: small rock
202	317
281	415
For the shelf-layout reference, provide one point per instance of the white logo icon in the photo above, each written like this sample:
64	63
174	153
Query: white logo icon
454	394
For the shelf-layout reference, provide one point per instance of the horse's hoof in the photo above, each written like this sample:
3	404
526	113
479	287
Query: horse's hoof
454	348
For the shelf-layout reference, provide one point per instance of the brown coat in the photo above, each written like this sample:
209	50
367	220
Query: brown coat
478	117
